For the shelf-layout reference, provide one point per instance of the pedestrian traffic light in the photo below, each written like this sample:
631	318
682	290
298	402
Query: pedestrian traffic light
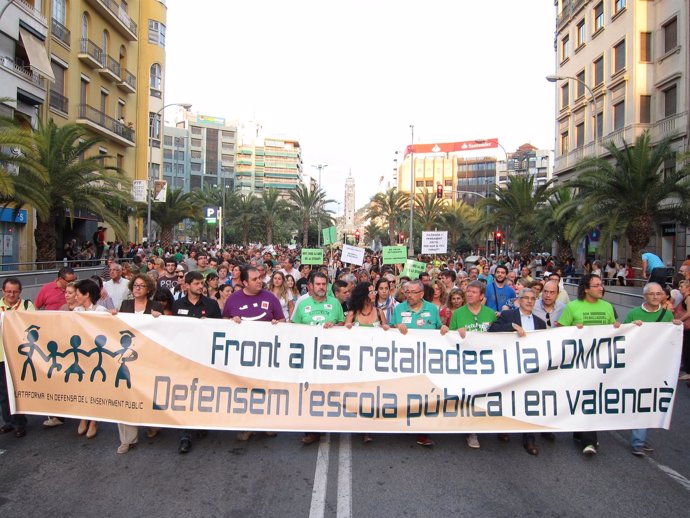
439	191
498	235
357	236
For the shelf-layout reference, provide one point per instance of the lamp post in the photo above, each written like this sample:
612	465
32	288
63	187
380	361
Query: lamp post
320	167
410	245
553	79
149	178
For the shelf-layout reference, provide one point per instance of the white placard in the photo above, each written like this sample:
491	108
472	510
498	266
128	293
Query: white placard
435	242
139	191
353	255
7	242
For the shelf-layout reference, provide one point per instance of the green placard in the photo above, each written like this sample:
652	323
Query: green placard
312	256
413	269
330	235
394	255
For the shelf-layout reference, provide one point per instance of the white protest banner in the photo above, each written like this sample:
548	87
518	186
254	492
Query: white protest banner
216	374
139	191
353	255
435	242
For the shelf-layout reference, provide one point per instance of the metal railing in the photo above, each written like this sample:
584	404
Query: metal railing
31	10
112	65
130	79
61	32
105	121
87	46
120	14
25	72
59	101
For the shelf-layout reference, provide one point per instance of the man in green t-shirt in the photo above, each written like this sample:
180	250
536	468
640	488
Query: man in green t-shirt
588	310
651	310
473	316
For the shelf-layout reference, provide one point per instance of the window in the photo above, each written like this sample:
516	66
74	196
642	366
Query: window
155	125
565	48
581	33
619	57
120	110
599	71
670	35
581	84
599	124
564	142
83	87
645	109
84	26
59	11
104	102
59	73
167	153
565	95
196	130
228	146
179	141
646	47
670	101
167	167
580	135
599	16
105	43
619	115
179	155
196	142
157	33
196	154
179	168
618	6
167	140
156	76
228	134
196	167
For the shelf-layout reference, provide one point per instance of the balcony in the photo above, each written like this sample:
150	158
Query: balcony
128	82
32	11
105	125
29	81
674	124
116	16
61	33
59	102
90	54
111	69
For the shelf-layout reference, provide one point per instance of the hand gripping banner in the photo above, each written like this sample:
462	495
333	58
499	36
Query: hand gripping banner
216	374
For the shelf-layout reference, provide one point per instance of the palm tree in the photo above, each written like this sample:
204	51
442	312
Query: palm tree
14	141
373	232
245	214
72	182
308	205
516	211
428	210
629	196
178	206
273	209
459	218
555	217
390	206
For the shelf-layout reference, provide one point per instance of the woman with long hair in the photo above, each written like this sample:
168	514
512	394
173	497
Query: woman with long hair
440	295
223	294
235	271
70	298
385	301
456	299
291	287
142	287
165	298
211	285
278	287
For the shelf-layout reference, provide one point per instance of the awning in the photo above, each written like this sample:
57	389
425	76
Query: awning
38	57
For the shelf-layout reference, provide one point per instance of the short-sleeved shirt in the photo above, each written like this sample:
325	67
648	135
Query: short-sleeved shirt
427	317
168	283
463	317
315	313
262	307
204	308
587	313
497	297
554	314
50	297
653	261
640	313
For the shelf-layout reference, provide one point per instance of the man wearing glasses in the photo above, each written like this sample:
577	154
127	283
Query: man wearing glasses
548	307
51	297
590	309
520	320
417	313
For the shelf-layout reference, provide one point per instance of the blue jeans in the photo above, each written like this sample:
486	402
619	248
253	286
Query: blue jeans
638	438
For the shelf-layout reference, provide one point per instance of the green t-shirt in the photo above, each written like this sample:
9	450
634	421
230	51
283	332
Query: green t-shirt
463	317
587	313
426	318
315	313
639	313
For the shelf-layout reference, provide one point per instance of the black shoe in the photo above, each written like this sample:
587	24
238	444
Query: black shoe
185	446
6	428
549	436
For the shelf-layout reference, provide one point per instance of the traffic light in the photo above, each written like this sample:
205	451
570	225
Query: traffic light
402	237
439	191
357	236
498	235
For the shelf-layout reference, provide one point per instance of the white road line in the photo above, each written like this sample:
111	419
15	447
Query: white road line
318	492
345	477
2	451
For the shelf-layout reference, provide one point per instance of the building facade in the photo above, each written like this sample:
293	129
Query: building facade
621	69
349	204
269	163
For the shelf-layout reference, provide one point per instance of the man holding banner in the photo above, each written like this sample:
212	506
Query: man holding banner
417	313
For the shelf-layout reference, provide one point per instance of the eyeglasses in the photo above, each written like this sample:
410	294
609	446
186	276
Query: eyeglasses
139	286
528	298
414	292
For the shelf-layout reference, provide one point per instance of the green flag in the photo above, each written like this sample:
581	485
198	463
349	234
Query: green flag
413	269
330	235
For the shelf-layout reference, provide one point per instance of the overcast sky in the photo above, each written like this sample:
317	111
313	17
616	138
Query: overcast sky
348	78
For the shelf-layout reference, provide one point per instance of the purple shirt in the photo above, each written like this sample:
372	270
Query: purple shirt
263	307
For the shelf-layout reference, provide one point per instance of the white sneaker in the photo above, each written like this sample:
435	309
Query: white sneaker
684	377
473	441
590	450
52	422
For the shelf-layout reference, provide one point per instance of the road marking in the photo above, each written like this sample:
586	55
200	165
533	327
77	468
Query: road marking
318	492
345	477
2	451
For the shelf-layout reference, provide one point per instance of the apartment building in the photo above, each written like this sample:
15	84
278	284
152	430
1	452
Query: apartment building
270	162
621	69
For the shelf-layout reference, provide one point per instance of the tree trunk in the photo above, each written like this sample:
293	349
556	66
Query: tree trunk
166	237
305	230
638	235
565	252
269	233
44	235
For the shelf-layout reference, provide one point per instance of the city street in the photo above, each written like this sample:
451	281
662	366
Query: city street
56	473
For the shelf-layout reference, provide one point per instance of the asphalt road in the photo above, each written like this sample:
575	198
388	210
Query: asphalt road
57	473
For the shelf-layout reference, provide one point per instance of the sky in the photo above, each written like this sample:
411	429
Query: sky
348	78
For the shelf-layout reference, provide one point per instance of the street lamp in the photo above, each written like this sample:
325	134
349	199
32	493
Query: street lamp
410	245
320	167
149	178
553	79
